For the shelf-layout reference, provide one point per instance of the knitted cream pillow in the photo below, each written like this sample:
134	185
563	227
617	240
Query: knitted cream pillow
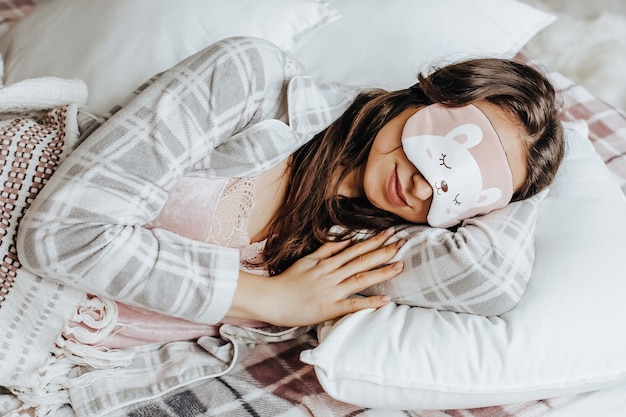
32	145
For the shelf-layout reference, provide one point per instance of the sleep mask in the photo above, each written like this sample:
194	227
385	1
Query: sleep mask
459	153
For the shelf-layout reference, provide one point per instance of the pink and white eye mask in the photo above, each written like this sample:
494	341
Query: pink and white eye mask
460	154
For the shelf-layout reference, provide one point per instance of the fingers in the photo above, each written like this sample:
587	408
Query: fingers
328	277
365	279
340	253
358	267
330	249
358	264
354	304
363	247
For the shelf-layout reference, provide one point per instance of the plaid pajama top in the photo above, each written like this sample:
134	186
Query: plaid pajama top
234	109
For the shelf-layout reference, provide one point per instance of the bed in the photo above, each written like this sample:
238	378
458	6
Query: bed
558	353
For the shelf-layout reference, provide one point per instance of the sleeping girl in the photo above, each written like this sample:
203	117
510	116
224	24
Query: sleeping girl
235	188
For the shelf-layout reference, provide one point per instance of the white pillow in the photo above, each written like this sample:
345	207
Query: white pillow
386	44
566	335
116	45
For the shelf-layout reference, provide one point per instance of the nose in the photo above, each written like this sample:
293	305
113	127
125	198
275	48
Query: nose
421	188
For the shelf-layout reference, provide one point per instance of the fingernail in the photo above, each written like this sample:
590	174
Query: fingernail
390	231
400	243
398	265
385	298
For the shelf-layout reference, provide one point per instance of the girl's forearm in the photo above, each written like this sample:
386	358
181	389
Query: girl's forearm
252	299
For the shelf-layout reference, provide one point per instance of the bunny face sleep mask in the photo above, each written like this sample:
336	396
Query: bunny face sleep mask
459	153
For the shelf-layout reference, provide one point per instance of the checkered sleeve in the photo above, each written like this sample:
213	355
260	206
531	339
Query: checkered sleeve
483	267
85	228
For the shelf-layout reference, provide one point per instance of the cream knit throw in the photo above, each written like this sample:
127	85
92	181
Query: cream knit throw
38	129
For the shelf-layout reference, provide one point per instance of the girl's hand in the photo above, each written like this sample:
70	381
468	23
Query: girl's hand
319	286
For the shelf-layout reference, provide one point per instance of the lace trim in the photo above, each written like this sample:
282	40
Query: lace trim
230	221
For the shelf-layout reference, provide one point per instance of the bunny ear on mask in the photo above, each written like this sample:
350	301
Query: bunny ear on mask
458	151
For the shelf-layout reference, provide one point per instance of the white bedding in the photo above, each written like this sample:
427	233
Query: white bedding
336	34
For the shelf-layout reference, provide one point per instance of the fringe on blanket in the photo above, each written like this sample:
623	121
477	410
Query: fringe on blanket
76	347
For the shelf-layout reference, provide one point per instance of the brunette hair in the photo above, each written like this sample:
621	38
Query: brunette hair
312	205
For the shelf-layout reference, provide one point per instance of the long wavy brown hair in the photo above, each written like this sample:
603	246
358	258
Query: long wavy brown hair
312	204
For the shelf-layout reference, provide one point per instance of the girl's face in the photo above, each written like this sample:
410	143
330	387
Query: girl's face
392	183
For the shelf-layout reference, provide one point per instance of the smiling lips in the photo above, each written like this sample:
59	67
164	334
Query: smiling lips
394	190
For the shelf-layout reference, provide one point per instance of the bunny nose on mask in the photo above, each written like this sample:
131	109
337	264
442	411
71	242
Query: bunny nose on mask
459	153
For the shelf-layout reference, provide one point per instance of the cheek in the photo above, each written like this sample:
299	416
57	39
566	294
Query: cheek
377	171
388	140
371	185
384	148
